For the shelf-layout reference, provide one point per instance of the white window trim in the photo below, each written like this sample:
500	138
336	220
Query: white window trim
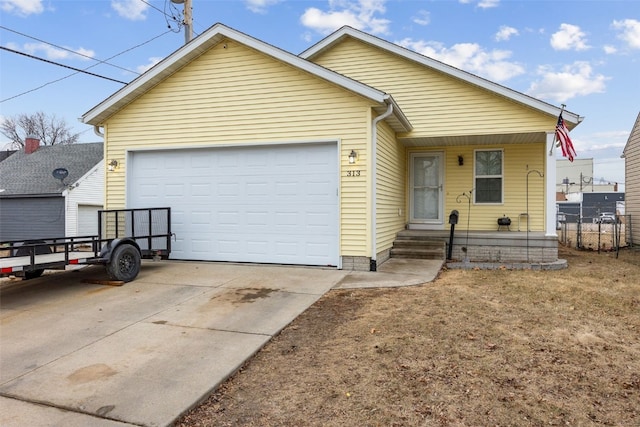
501	176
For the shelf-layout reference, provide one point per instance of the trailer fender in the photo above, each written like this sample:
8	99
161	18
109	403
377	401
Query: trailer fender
106	252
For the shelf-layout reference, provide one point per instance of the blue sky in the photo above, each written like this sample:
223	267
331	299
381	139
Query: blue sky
585	54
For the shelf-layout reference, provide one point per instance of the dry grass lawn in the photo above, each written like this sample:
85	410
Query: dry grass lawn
472	348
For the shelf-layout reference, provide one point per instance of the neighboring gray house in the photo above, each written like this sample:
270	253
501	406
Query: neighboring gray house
5	154
35	205
631	156
588	206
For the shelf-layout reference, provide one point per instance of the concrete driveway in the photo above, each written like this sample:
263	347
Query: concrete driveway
73	353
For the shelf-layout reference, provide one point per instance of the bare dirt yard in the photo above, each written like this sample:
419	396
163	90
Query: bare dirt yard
472	348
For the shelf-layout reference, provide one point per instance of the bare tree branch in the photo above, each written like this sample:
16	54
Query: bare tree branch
49	130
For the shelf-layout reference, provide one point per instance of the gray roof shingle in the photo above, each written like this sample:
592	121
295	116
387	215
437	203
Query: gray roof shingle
30	174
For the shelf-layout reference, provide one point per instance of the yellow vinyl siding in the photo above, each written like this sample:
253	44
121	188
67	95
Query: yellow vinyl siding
391	184
436	104
632	181
237	95
460	179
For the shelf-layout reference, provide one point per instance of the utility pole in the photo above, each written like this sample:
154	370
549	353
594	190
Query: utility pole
188	19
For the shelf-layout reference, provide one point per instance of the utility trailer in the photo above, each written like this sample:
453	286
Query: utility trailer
125	236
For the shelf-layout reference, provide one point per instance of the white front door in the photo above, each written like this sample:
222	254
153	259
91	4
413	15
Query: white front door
426	188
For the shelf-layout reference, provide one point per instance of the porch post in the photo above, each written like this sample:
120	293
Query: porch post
550	191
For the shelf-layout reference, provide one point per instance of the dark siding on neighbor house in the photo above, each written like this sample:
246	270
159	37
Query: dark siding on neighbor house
570	210
31	218
593	204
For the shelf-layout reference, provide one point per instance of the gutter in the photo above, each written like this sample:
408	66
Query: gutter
96	130
373	264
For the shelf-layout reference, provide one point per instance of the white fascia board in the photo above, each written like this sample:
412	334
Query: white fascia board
439	66
197	46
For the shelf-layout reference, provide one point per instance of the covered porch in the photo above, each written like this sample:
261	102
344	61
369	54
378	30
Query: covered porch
517	177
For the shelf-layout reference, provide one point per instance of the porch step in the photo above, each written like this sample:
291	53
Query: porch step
414	245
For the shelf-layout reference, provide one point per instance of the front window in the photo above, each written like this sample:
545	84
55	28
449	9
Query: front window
488	176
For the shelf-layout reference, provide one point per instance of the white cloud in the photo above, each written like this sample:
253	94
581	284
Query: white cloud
260	6
422	18
605	148
574	80
133	10
608	49
484	4
629	32
54	53
505	32
358	14
569	37
22	7
470	57
152	62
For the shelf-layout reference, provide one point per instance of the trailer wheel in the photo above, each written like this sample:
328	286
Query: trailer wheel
39	250
33	274
124	264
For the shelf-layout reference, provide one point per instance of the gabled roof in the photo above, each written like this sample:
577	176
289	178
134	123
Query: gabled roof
30	174
635	130
214	35
338	36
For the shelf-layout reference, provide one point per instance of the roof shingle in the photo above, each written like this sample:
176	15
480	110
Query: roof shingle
30	174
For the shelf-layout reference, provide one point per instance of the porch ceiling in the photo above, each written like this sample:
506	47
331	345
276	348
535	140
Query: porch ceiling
456	140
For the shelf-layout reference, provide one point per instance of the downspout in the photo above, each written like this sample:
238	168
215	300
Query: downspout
373	264
96	130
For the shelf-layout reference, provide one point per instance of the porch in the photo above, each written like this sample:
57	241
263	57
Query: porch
477	246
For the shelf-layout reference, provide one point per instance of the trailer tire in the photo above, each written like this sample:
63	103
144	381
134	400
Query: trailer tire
39	250
125	263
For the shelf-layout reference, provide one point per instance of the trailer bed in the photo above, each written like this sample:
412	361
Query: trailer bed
125	236
9	265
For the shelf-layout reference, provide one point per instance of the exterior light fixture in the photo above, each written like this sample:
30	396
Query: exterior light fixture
353	156
112	165
460	161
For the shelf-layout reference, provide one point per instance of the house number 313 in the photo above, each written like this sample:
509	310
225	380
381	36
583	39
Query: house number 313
353	173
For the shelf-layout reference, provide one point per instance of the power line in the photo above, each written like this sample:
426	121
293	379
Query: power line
61	65
73	74
65	49
152	6
167	17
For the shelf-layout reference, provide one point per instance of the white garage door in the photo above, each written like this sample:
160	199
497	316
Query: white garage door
272	204
88	220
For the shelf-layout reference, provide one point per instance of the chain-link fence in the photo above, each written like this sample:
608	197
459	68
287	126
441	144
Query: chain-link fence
605	232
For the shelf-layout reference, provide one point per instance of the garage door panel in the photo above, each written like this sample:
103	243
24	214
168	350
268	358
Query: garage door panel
257	247
200	245
257	204
200	218
174	191
200	190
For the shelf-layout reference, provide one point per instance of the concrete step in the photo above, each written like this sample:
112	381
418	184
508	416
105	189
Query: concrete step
414	242
417	253
418	249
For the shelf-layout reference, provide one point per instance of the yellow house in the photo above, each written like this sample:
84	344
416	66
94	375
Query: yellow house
338	156
631	155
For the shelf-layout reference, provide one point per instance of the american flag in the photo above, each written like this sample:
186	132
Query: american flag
564	142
